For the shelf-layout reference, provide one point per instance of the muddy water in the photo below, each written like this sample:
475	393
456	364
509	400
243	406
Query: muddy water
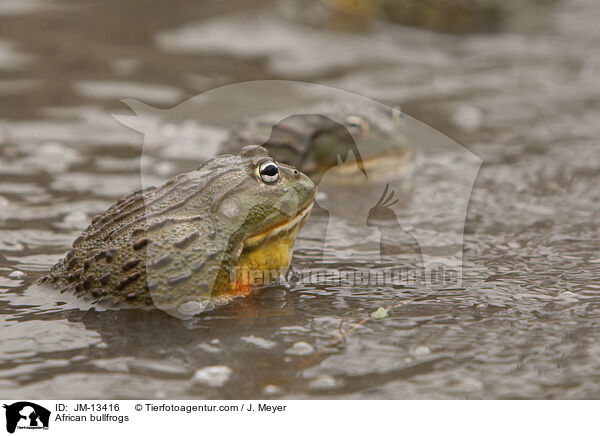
524	322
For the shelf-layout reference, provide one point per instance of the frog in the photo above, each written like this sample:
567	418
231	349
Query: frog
320	139
199	240
460	17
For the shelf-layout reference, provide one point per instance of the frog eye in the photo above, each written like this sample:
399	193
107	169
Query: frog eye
356	125
269	172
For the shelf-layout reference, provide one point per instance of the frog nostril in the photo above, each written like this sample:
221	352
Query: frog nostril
296	173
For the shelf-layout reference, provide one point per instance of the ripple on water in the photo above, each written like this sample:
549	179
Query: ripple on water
27	339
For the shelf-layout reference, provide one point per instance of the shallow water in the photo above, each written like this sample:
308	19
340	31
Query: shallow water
524	322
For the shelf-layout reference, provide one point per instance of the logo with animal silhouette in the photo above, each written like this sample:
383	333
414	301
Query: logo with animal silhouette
26	415
395	241
350	146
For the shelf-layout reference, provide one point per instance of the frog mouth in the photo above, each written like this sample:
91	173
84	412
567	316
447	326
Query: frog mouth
378	167
289	228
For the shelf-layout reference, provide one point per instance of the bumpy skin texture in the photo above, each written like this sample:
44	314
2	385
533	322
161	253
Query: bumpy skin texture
181	240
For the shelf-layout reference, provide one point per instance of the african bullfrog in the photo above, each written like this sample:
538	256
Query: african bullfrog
452	16
314	142
198	240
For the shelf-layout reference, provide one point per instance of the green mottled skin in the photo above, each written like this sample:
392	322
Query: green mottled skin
175	242
312	142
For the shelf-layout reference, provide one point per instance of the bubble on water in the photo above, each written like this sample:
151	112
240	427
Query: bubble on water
165	169
568	296
272	390
17	275
190	308
297	329
259	342
209	348
322	383
421	350
300	349
467	118
213	376
469	384
76	220
194	307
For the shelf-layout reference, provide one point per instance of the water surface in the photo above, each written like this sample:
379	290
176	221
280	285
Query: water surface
524	323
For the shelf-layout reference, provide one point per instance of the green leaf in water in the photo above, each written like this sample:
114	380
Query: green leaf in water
379	313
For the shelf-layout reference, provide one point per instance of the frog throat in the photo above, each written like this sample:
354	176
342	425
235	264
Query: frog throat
267	255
